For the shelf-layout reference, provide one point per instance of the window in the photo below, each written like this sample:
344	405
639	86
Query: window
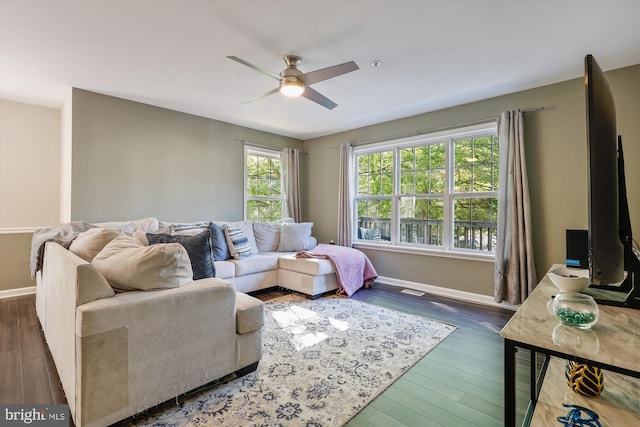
437	191
264	199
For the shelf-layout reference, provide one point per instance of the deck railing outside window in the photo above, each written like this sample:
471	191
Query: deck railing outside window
477	235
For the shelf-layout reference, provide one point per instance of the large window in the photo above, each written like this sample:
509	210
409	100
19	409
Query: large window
264	198
435	191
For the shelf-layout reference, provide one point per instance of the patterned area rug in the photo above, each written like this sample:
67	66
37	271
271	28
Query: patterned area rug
323	361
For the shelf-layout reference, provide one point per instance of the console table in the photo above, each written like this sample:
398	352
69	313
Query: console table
613	344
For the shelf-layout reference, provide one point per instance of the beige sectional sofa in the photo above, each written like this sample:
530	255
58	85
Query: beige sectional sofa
268	267
118	354
121	349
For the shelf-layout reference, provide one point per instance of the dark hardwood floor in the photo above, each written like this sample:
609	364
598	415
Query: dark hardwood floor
459	383
27	372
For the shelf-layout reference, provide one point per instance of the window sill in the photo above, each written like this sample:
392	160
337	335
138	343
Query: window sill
489	257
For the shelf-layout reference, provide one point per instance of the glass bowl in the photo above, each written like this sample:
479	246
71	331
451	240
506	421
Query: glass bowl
575	309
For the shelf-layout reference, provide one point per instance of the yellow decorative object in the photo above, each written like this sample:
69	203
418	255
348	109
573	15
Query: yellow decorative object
584	379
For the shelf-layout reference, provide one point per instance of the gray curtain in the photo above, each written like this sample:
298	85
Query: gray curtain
290	159
515	275
345	192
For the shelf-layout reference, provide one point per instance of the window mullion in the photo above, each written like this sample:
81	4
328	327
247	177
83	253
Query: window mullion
395	204
448	203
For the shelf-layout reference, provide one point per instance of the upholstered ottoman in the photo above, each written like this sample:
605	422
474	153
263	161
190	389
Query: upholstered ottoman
310	276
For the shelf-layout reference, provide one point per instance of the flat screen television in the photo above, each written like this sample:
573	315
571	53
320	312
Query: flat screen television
613	266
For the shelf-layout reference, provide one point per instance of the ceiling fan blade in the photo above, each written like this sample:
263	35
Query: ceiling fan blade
318	98
255	67
264	95
329	72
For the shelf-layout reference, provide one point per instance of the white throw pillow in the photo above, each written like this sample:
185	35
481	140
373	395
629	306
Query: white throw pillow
129	265
295	237
88	244
267	234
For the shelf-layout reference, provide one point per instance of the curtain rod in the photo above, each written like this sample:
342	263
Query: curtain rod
266	147
457	125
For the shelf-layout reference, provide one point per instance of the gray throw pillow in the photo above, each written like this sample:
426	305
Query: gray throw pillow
198	247
295	237
89	243
129	265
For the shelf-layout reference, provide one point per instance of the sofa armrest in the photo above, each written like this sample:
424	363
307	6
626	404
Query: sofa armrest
151	346
67	281
250	313
80	277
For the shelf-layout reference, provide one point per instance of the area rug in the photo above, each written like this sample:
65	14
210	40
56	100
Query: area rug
323	361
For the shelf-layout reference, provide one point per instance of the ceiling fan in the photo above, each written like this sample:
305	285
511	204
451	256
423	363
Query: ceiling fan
293	82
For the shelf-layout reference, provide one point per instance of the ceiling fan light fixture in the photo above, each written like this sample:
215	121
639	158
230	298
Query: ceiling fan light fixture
291	87
293	83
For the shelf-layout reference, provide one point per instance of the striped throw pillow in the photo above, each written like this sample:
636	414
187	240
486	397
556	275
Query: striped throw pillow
239	246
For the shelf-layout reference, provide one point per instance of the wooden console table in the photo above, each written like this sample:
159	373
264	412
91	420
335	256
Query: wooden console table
612	344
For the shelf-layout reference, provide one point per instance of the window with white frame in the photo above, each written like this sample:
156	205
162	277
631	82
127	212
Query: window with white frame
264	198
436	191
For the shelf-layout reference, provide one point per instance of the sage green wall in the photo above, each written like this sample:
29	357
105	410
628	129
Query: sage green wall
133	160
555	141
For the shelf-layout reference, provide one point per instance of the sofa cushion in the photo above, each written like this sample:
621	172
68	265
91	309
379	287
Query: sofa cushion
129	265
145	224
89	243
256	264
310	266
218	242
249	313
237	241
198	247
225	269
295	237
189	228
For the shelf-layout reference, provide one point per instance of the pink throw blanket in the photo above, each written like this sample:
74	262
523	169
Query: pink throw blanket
353	268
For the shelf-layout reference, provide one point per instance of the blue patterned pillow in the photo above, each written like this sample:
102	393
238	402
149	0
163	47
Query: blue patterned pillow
218	242
238	242
198	247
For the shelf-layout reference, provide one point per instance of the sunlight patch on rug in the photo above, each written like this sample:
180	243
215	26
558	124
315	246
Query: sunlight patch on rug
323	361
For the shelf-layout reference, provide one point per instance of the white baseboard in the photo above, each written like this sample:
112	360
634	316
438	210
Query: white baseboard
446	292
430	289
18	292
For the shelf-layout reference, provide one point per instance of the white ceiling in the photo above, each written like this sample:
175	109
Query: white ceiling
435	53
